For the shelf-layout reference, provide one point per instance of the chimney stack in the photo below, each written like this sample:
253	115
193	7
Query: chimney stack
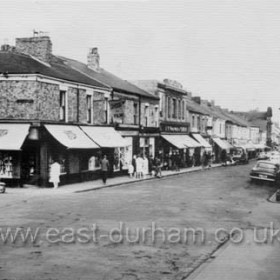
39	47
7	48
197	99
93	59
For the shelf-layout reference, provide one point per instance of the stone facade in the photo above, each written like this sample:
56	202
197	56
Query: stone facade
34	100
29	100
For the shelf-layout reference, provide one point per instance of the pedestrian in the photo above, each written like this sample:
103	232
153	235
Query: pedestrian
55	173
139	167
130	169
157	167
134	165
177	161
104	168
224	157
145	166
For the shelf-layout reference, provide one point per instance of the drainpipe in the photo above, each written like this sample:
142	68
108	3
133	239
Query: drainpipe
139	123
78	104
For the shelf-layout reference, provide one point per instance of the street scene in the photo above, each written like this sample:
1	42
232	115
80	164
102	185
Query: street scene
139	140
218	198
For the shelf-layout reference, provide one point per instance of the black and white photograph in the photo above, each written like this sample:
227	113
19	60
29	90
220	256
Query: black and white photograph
139	140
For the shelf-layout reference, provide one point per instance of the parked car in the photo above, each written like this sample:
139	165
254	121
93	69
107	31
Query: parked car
2	187
240	155
263	156
265	170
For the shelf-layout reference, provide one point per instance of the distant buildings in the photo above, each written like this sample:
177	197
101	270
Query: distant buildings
52	107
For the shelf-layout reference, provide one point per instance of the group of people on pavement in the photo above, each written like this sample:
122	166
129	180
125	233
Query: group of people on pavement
141	166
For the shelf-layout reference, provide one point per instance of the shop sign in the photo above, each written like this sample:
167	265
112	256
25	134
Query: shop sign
70	134
3	132
174	128
117	110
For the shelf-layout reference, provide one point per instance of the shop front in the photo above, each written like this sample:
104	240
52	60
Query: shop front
117	148
78	156
204	143
218	146
12	137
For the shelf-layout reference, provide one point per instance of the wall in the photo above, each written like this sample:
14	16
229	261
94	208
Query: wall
29	100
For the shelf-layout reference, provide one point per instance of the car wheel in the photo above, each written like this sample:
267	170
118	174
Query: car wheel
2	190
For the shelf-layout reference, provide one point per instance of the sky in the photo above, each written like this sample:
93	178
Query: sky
222	50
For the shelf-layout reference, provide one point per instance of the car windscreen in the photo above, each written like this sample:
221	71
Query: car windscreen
264	165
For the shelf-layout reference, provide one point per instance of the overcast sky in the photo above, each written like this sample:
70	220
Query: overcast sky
228	51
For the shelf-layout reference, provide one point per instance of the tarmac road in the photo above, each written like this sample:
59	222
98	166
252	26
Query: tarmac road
135	231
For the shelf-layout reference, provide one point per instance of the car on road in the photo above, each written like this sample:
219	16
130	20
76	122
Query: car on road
240	156
265	170
263	156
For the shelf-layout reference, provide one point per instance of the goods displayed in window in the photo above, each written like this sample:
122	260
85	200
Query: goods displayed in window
9	165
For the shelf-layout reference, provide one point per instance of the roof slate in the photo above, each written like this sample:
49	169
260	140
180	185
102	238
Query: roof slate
18	63
108	78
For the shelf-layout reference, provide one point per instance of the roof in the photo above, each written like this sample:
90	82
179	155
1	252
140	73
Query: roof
108	78
192	106
18	63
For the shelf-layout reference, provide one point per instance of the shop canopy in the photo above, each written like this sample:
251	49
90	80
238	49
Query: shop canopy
222	143
71	136
13	135
202	141
181	141
105	137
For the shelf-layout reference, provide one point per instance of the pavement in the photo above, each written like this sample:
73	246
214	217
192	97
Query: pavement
249	259
111	182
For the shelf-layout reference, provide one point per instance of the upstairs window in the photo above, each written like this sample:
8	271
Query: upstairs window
62	105
169	107
179	109
106	110
89	108
146	114
174	109
183	111
135	113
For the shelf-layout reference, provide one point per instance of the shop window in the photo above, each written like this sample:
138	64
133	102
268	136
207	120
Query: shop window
94	163
135	113
62	104
9	165
89	108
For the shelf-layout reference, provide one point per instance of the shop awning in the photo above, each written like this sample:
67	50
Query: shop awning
175	140
181	141
201	140
71	136
13	135
222	143
191	143
105	137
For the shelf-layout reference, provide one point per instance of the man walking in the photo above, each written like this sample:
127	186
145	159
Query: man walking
104	168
